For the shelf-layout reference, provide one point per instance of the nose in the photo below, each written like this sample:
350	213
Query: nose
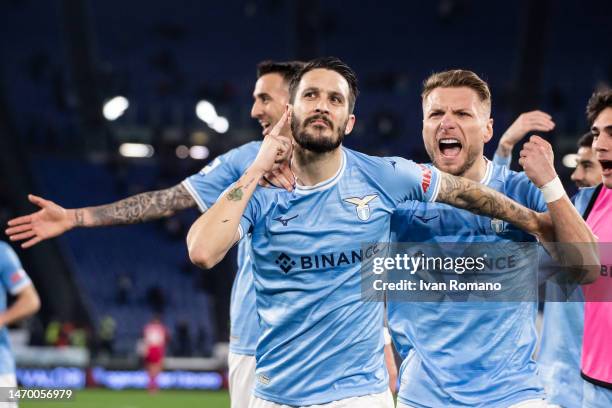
576	174
256	110
322	106
599	145
447	123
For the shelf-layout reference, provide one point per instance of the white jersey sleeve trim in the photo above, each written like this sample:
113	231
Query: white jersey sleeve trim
25	283
434	196
387	336
201	205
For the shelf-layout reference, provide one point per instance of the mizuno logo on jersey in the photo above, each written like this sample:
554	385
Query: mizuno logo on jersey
362	206
286	220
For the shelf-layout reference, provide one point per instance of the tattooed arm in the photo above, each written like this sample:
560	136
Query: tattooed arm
216	231
53	220
482	200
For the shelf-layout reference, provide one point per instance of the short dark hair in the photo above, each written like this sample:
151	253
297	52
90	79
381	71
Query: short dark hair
287	69
332	64
586	140
457	78
599	101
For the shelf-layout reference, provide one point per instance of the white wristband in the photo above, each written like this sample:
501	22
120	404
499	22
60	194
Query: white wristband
553	190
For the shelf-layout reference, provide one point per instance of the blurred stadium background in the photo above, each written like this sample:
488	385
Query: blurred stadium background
104	99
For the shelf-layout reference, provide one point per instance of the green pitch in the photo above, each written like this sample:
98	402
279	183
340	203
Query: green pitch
137	399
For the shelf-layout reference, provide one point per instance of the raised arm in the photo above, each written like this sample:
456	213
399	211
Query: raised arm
528	121
216	231
53	220
578	247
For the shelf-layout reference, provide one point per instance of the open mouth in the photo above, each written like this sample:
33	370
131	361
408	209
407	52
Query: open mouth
449	147
606	165
265	126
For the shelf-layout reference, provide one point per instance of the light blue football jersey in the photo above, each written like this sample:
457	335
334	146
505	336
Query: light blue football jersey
14	279
320	341
562	328
466	354
205	187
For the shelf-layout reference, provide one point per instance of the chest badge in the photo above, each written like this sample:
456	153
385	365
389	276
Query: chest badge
362	206
497	226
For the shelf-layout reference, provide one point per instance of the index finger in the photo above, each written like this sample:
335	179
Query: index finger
281	122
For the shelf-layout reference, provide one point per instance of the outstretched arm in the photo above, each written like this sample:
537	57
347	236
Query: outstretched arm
53	220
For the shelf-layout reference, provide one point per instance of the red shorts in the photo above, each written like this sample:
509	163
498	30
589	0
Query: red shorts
154	355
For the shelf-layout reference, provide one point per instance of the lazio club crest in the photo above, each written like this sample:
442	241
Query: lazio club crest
497	225
362	206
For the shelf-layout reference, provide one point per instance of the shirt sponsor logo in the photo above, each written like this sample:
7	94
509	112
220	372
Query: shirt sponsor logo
321	261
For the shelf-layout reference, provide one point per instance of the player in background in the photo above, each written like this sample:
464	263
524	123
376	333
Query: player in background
471	354
563	321
156	338
596	359
321	343
588	169
270	97
16	282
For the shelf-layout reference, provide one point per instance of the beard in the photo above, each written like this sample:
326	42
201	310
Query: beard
472	155
313	143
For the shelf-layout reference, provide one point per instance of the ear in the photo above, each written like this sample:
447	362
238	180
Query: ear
350	123
489	130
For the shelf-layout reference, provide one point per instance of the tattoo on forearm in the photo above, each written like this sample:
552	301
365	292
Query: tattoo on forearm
482	200
143	207
79	218
235	194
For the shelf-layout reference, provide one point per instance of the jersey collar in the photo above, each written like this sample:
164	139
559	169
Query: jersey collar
488	173
325	184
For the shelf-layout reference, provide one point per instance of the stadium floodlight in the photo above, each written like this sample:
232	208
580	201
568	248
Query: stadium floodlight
136	150
114	108
220	125
569	160
199	152
206	112
182	152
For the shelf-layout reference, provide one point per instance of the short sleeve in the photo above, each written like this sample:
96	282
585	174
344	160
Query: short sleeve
502	161
207	185
251	213
412	181
522	190
14	278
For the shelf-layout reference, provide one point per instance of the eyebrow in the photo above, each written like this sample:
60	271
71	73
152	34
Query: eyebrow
607	128
260	95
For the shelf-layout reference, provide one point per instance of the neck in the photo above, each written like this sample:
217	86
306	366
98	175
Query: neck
477	171
312	168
